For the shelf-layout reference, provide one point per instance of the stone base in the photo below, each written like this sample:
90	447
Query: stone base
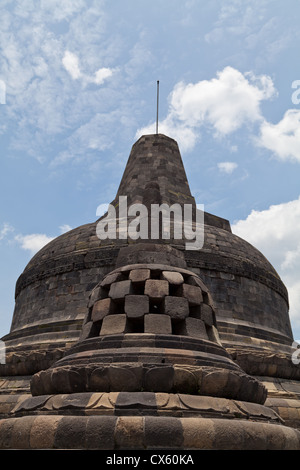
148	362
143	433
143	421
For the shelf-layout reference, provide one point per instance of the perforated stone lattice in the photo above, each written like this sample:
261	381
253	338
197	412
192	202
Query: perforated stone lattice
151	299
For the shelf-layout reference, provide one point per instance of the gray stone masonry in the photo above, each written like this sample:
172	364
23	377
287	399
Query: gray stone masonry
207	314
194	327
158	324
114	324
172	277
176	307
156	289
136	306
139	276
118	290
101	308
192	293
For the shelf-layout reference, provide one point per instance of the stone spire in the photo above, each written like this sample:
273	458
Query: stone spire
155	159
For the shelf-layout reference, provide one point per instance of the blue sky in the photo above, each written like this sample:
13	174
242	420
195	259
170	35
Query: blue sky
78	87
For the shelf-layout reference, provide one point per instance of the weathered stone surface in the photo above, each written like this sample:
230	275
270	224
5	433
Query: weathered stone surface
118	290
193	327
114	324
207	314
173	277
43	431
176	307
129	432
102	308
100	432
156	289
192	293
138	276
159	379
86	330
156	323
136	306
96	294
110	279
168	431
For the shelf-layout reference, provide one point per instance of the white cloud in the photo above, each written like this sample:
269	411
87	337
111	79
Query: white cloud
71	63
283	138
275	232
184	135
65	228
7	228
224	103
101	75
227	167
102	209
33	242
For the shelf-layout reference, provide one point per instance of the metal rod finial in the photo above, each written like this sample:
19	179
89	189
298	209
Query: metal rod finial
157	106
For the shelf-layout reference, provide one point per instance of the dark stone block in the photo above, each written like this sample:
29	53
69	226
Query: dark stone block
176	307
207	314
139	276
114	324
118	290
156	289
70	433
136	306
100	432
157	323
99	380
102	308
163	432
192	293
159	379
193	327
139	400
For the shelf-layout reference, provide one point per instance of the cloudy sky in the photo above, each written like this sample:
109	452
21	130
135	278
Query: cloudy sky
78	87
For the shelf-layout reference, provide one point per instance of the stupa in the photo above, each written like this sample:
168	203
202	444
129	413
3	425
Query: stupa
139	343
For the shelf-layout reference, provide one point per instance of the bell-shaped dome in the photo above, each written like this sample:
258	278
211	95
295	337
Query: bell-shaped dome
52	293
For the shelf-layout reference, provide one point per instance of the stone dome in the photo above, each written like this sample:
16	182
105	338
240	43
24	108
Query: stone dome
53	291
146	341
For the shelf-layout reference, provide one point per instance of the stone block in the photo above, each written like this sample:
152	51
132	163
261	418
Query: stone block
156	289
139	276
192	293
97	294
193	327
111	278
102	308
129	432
158	324
176	307
118	290
173	277
160	432
86	331
43	431
213	334
207	314
114	324
136	306
159	379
